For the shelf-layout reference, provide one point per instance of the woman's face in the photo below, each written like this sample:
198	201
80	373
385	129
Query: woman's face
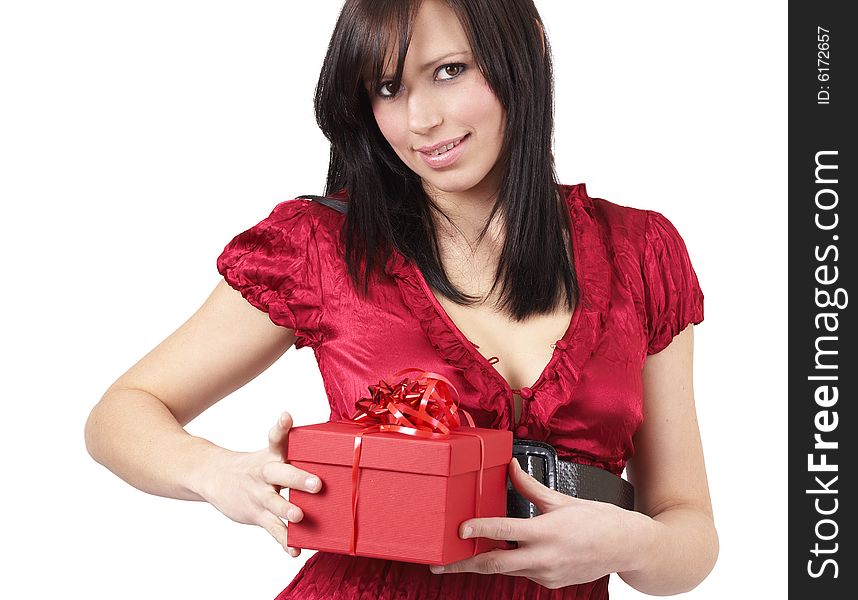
444	122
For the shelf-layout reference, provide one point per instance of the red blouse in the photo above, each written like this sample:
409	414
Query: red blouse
638	290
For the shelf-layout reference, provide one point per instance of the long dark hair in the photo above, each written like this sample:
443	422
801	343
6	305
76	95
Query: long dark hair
388	207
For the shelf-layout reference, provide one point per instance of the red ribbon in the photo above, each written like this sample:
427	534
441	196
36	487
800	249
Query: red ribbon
424	406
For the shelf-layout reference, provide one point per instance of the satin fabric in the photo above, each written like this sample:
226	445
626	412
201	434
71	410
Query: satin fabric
638	289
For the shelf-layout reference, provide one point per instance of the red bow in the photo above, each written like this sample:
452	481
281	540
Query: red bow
425	406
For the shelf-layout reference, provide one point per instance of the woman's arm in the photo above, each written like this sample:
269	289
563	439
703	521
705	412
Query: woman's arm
136	430
679	546
666	548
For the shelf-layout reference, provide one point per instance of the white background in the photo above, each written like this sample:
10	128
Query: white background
136	138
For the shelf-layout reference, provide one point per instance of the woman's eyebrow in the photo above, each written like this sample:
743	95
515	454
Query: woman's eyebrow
449	55
445	57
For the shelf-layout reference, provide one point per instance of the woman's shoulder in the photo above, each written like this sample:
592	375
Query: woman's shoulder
617	222
319	211
302	222
646	247
642	233
281	263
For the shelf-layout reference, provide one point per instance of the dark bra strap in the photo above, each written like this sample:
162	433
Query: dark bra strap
337	205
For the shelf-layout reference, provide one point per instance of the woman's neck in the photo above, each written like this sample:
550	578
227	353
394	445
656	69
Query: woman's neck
468	261
461	216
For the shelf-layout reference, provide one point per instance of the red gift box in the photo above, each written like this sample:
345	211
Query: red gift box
413	492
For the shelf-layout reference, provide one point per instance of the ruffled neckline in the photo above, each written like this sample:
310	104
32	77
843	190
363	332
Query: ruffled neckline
556	383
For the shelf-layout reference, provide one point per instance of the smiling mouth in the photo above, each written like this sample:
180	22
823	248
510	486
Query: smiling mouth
445	155
445	148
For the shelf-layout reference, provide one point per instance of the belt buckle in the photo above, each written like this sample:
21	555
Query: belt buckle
539	460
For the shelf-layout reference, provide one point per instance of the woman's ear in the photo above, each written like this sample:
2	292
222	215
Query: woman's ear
541	34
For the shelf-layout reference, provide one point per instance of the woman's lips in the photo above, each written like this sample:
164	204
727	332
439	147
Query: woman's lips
445	159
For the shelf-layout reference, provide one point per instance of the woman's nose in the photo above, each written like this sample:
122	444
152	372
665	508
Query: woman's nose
424	112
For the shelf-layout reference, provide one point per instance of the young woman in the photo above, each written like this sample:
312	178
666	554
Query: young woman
561	317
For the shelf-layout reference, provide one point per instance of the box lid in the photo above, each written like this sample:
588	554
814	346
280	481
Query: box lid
333	443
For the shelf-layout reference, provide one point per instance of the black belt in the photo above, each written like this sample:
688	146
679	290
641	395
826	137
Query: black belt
539	460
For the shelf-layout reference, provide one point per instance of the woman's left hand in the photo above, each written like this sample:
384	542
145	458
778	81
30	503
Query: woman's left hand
572	541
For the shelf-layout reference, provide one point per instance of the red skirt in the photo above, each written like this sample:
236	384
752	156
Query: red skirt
328	576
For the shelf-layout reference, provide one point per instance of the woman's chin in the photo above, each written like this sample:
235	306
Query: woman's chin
452	183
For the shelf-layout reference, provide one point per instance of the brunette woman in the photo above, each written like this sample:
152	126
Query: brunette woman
445	241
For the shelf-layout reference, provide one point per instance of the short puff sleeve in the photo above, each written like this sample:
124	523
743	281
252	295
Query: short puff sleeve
672	295
275	266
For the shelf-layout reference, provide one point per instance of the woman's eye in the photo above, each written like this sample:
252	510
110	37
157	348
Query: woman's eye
450	71
386	90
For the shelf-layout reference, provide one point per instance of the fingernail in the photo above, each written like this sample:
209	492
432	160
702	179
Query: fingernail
436	569
292	515
466	532
312	483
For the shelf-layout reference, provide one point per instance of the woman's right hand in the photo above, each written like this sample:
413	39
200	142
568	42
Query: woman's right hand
245	486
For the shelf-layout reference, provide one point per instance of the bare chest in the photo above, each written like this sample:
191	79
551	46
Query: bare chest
519	351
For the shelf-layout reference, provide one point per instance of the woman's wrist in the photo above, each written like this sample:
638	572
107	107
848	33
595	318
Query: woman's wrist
204	465
677	555
642	536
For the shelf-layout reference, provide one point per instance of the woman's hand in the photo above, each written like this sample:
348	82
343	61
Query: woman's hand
245	486
572	541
